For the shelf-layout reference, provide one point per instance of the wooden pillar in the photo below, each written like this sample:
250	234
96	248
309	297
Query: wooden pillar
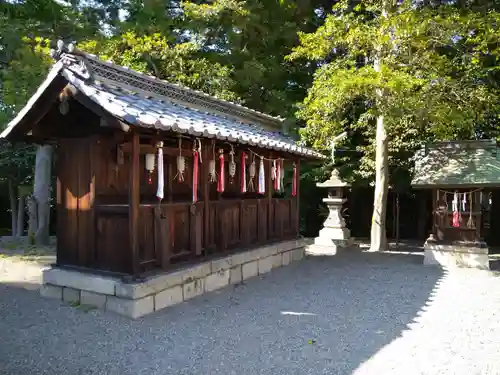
269	196
297	200
206	157
133	207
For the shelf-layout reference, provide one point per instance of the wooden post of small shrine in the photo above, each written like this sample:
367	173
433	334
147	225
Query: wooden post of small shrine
297	200
269	195
134	201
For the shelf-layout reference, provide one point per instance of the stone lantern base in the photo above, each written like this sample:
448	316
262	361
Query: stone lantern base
334	234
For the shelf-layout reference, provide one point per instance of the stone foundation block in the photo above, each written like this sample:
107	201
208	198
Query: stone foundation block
196	272
459	254
93	299
217	280
157	292
193	289
150	286
71	295
79	280
297	254
51	291
286	258
130	308
221	264
168	298
318	250
277	260
452	259
265	265
235	275
250	269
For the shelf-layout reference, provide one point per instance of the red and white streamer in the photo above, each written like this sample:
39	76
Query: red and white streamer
243	168
277	177
196	156
220	181
294	181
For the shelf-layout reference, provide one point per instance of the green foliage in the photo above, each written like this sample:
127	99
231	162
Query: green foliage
155	54
437	78
252	37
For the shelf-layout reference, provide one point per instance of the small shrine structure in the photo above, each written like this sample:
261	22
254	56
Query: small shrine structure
163	192
460	174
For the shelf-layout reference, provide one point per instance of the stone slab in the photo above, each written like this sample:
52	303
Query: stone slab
277	260
78	280
235	275
452	259
317	250
286	258
93	299
71	295
130	308
250	269
193	289
149	286
245	257
297	254
196	272
265	265
217	280
221	264
51	291
169	297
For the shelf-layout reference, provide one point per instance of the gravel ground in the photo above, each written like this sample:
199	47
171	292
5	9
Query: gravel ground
351	314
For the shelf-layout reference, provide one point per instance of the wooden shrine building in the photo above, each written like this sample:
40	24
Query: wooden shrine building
151	175
461	175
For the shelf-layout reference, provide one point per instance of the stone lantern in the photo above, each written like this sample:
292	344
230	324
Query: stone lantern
334	233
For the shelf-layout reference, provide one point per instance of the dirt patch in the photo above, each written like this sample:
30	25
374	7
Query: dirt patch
20	249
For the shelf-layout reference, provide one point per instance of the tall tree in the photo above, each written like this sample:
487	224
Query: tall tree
396	73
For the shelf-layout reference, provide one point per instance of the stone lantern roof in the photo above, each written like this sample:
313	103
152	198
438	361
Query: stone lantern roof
334	181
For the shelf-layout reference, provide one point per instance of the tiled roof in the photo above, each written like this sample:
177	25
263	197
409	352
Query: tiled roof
457	164
144	101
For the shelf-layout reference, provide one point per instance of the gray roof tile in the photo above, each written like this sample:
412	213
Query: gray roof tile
135	105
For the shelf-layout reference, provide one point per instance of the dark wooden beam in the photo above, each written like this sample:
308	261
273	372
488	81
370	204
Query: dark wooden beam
107	120
151	149
134	201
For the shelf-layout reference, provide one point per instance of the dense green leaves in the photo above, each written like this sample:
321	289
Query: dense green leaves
438	75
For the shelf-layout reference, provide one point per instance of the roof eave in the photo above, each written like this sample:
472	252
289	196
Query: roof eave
455	185
32	102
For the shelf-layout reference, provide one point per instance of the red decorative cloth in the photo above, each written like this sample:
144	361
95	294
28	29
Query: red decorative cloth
220	181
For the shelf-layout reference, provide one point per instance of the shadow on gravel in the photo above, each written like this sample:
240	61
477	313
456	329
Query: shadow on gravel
319	316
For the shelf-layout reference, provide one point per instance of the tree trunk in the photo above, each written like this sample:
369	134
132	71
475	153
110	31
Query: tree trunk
32	219
13	208
20	216
378	235
41	193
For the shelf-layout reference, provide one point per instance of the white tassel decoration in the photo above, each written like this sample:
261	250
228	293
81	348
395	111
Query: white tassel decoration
262	178
161	177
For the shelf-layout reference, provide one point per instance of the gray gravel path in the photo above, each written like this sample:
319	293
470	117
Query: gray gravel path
366	314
